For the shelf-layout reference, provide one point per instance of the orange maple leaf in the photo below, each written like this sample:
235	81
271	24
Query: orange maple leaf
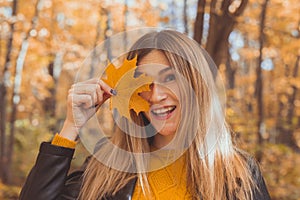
128	88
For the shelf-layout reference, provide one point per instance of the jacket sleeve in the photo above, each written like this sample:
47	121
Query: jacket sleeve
47	178
261	191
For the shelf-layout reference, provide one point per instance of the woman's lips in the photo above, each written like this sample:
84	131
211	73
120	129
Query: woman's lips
163	113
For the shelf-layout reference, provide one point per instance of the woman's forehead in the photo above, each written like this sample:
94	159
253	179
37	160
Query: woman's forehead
154	56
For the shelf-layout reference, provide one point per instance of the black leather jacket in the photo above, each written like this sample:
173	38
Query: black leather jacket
48	179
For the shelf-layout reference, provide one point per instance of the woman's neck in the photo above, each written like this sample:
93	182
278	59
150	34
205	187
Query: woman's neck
161	141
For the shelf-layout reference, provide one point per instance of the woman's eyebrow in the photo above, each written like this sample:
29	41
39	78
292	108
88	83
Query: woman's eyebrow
165	70
138	73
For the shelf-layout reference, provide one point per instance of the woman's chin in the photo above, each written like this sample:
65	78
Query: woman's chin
166	132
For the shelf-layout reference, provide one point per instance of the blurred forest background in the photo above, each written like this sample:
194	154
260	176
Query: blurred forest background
255	44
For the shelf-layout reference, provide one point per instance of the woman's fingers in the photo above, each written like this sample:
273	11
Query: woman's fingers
97	89
88	89
83	100
101	83
106	87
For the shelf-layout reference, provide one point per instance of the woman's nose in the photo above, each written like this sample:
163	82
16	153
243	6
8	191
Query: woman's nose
157	93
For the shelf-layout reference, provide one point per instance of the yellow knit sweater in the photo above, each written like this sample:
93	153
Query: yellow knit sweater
166	183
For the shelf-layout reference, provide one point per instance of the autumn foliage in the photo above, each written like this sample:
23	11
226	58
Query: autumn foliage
255	44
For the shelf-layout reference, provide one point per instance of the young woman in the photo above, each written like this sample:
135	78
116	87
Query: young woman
180	149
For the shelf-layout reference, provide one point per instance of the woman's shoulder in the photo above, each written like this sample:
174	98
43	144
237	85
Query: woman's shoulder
260	191
252	163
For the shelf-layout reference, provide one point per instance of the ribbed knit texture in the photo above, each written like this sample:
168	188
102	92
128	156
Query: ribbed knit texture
168	183
63	142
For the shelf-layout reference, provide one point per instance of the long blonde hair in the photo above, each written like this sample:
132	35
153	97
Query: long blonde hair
215	169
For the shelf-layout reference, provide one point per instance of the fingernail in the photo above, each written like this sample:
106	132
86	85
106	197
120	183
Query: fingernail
113	92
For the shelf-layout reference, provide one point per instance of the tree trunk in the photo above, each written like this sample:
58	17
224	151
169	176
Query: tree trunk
3	102
230	72
185	18
107	38
279	120
15	102
221	24
16	94
259	83
49	103
286	127
199	22
95	53
3	99
291	103
54	69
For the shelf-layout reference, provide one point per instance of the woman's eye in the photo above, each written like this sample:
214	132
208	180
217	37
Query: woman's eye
170	77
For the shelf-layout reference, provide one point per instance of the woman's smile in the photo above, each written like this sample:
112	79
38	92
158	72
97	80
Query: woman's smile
162	113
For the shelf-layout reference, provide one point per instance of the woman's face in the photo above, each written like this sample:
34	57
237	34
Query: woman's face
165	110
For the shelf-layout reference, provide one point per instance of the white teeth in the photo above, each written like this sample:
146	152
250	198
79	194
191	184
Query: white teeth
162	111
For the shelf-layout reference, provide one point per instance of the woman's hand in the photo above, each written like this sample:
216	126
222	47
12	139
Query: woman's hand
84	100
